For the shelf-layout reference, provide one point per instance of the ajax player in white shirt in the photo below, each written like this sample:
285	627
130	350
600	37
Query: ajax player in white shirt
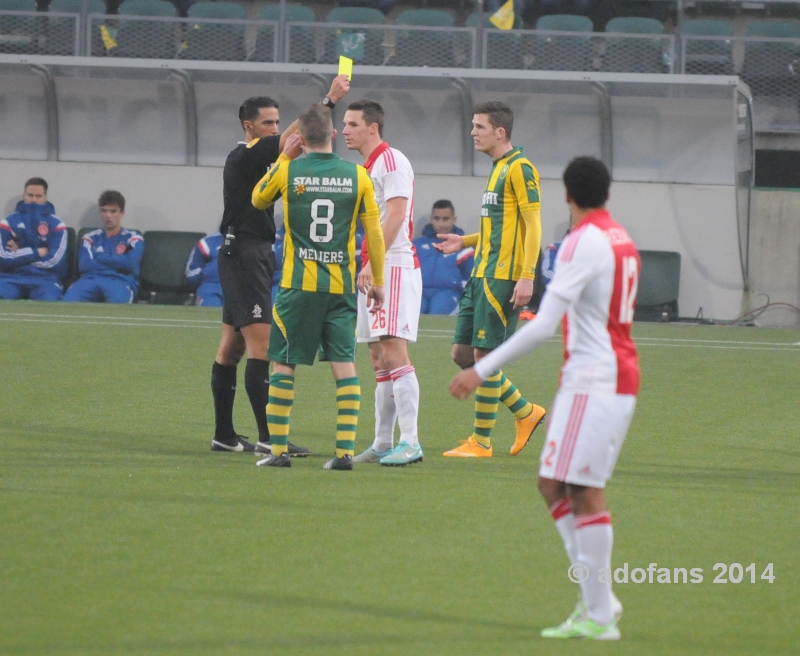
594	285
389	330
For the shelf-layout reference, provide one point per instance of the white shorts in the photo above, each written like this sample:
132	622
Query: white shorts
399	316
584	437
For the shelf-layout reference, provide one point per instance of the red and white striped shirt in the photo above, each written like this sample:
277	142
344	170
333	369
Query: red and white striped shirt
393	177
594	290
597	273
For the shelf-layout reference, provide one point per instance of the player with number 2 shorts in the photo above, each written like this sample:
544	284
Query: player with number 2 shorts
593	290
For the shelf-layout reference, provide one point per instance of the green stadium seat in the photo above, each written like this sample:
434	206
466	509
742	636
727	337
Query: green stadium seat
421	47
659	286
215	41
564	23
150	39
774	29
18	33
768	65
162	278
364	46
634	55
634	25
708	57
61	35
302	49
563	53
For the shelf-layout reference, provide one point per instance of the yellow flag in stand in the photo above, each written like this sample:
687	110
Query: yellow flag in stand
108	40
503	18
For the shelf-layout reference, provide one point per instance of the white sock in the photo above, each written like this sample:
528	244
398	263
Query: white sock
385	412
406	394
561	511
595	538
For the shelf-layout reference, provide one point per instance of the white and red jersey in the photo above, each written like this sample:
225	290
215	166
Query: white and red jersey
393	177
597	273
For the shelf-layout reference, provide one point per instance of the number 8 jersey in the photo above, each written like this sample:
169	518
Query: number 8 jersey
322	197
597	271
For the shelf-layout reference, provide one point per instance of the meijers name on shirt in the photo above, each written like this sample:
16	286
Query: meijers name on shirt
332	257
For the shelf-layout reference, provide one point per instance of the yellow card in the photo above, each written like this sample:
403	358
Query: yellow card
346	67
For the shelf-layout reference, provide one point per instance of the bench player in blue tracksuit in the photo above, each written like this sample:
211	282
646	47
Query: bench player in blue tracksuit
108	258
202	273
33	245
443	276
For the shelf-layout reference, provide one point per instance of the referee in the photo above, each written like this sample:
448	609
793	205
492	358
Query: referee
246	264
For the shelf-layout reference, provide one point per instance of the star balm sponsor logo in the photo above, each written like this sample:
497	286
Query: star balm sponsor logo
120	249
299	189
43	229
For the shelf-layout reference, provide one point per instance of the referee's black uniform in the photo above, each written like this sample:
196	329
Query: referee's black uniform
246	260
246	264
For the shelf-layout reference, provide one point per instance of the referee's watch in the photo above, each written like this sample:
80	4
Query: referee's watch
327	102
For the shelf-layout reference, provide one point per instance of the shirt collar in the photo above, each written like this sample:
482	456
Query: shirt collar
382	148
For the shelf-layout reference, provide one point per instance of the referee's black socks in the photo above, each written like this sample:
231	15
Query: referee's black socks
223	388
256	382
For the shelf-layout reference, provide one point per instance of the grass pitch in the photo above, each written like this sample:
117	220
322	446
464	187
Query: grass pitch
123	533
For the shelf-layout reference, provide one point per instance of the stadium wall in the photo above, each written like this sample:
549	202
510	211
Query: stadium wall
699	221
775	255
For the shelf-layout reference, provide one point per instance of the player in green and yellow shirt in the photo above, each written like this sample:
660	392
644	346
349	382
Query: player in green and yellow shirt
316	306
506	250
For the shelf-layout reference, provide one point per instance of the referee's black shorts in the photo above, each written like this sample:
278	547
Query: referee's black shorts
246	279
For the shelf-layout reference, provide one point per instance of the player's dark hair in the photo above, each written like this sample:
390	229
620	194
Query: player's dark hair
112	197
444	204
500	114
371	112
315	125
37	182
587	181
252	106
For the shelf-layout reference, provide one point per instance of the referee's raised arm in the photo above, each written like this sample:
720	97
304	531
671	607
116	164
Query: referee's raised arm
339	88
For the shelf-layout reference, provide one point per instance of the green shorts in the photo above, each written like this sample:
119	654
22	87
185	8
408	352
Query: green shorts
486	315
302	322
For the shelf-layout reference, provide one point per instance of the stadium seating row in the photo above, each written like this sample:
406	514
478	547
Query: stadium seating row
162	278
418	37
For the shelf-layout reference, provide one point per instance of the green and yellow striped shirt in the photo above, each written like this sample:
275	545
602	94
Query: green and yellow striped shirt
513	188
322	197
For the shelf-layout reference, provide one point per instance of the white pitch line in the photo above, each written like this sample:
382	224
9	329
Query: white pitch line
736	347
710	341
157	322
105	323
93	316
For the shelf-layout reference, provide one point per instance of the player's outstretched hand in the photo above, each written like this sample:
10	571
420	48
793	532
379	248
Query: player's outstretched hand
464	383
451	243
294	146
339	88
375	299
364	280
523	291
